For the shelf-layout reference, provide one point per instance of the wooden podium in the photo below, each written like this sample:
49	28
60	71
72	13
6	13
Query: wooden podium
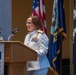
16	54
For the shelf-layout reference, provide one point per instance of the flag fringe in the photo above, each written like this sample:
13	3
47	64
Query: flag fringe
54	71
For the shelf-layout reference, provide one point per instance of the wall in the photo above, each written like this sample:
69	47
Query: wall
5	18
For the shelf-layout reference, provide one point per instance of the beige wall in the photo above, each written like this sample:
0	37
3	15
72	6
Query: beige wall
22	9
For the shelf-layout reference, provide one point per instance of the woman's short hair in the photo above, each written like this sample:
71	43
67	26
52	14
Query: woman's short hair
36	21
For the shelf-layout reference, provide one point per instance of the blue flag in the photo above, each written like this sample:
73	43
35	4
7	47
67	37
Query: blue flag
57	33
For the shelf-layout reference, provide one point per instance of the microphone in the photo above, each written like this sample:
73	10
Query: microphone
15	30
13	33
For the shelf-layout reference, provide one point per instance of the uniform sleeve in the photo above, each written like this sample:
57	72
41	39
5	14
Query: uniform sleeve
42	45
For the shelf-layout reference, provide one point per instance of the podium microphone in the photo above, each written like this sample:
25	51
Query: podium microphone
13	33
15	30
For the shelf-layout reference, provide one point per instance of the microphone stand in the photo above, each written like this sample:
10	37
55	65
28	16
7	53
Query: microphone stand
10	36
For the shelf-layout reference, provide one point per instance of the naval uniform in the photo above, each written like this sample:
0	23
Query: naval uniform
38	41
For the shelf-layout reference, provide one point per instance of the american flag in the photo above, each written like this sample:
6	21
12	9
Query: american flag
38	9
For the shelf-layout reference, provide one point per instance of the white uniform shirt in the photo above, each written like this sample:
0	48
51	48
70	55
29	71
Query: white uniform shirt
39	43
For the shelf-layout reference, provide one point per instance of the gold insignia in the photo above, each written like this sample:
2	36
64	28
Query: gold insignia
40	31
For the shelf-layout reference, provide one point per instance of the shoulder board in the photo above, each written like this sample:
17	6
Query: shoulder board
40	31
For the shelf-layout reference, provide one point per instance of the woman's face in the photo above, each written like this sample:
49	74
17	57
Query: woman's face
30	26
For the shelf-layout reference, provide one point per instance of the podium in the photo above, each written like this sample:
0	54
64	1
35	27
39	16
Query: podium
16	54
